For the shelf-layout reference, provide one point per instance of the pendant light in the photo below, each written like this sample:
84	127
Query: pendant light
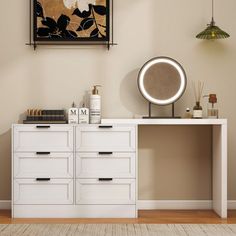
212	31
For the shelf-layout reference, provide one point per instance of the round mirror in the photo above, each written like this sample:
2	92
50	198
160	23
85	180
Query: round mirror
162	81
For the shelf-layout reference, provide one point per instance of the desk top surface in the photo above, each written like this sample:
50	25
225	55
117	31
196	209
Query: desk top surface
166	121
152	122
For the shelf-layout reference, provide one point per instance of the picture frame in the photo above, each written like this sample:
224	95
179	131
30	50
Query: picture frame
71	20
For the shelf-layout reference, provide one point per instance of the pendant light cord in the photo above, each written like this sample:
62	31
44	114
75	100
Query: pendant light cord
212	19
212	9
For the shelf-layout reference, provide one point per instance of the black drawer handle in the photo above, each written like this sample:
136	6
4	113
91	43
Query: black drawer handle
43	126
105	126
105	179
43	153
43	179
105	153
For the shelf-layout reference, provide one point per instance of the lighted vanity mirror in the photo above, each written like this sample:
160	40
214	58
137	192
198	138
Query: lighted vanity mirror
162	81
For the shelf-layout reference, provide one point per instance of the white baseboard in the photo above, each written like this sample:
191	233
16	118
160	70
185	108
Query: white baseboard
5	204
232	204
174	204
180	204
159	204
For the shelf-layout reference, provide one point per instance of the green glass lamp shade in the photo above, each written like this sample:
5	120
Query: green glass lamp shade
212	32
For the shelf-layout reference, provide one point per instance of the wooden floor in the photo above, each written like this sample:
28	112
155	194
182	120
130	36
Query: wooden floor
145	217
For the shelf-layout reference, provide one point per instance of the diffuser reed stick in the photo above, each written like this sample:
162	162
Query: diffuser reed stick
198	90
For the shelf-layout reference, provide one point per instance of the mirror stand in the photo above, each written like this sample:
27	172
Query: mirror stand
161	117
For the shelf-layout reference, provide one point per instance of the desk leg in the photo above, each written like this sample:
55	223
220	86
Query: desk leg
220	170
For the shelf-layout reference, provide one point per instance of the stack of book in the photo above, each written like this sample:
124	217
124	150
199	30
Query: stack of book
35	116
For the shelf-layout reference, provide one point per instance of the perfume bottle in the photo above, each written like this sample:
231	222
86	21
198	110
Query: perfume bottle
83	115
197	111
212	110
73	117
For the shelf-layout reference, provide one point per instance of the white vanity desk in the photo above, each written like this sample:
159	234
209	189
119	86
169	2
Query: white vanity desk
219	152
91	170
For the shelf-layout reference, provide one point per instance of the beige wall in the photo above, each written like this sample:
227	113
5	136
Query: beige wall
54	77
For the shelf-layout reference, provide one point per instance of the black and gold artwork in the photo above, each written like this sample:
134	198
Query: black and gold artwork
71	20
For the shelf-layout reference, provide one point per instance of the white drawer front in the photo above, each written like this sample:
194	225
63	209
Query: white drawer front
93	191
41	192
53	165
105	138
35	138
103	165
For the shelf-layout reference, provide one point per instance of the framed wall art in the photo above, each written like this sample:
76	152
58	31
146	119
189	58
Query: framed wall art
71	20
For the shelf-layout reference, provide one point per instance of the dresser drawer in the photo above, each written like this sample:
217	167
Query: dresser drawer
35	165
98	165
115	191
31	191
105	138
35	138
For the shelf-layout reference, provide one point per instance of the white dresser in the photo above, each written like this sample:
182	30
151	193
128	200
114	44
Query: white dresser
74	171
91	170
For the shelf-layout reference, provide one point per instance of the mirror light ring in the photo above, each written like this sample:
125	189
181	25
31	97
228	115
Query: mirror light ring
177	66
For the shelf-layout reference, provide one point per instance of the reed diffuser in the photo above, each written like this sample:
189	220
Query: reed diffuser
198	90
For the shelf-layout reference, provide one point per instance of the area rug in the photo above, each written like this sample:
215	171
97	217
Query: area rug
116	230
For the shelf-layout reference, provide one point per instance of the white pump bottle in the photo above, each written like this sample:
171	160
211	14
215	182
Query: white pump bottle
95	106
